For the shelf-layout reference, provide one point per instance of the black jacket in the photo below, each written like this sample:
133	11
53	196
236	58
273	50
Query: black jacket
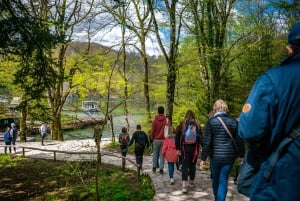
217	144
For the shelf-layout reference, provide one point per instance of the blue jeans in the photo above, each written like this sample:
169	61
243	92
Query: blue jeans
171	169
220	170
157	158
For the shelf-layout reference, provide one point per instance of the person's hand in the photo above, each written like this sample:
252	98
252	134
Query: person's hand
240	160
202	165
178	152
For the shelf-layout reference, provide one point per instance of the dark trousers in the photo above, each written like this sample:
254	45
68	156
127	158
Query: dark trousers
14	143
188	166
43	138
5	148
124	149
139	152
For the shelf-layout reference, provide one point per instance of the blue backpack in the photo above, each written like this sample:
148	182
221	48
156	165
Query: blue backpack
190	134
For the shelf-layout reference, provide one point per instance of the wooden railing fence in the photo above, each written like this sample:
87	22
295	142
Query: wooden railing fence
55	152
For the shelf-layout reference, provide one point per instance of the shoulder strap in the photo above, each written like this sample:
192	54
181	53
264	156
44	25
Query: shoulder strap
228	132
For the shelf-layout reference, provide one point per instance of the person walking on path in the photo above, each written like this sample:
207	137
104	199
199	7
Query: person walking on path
14	134
188	136
7	140
157	137
169	152
124	140
271	115
141	141
220	147
43	132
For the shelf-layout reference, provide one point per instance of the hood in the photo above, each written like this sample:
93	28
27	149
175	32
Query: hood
160	117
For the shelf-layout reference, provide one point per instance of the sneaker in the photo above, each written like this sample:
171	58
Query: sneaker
171	181
184	190
161	171
153	170
191	183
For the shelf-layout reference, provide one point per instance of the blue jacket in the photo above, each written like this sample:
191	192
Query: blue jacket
270	113
7	137
217	144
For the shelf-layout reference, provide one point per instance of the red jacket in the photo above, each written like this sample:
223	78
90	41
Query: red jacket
168	150
158	125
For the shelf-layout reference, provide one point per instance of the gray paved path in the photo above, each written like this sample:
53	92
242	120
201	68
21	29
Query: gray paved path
202	190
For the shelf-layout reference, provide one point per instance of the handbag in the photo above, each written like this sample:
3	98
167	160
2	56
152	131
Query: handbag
229	133
166	129
248	170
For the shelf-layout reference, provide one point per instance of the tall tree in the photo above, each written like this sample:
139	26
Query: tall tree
134	17
63	17
173	13
209	25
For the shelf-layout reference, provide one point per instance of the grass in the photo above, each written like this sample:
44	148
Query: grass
38	179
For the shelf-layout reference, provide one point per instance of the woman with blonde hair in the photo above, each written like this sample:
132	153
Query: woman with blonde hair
187	141
221	147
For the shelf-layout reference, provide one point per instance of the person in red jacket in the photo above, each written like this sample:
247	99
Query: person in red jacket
169	152
157	137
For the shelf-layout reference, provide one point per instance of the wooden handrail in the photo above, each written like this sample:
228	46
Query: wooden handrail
103	153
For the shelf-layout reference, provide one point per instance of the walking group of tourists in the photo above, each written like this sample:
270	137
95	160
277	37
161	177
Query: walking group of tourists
269	123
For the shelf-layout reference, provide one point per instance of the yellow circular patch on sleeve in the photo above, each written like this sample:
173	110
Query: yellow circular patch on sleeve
246	108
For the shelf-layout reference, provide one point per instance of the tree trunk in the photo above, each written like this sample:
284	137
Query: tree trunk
23	125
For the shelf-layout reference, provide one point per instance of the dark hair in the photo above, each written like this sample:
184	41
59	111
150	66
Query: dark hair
138	127
161	110
124	130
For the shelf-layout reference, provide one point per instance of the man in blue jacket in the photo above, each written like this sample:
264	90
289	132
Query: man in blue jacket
270	114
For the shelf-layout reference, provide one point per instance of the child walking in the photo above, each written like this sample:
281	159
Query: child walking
124	140
141	141
169	152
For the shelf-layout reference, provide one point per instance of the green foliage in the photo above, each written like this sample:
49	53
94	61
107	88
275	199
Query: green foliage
59	180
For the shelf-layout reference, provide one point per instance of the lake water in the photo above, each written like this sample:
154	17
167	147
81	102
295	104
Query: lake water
118	123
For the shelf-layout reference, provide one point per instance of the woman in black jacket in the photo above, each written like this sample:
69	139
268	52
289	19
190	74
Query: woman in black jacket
187	146
221	148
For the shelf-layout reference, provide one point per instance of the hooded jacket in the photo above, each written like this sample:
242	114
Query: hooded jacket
271	112
158	125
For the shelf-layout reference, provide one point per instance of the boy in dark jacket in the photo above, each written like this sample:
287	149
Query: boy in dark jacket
141	141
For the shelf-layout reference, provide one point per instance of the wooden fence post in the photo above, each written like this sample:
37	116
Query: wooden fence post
123	162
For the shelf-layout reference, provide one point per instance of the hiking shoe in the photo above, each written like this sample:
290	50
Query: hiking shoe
161	171
153	170
184	190
171	181
191	183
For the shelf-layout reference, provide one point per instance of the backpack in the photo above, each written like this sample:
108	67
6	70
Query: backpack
141	138
124	139
166	129
190	134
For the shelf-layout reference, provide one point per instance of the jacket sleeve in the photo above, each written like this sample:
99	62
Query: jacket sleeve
207	141
257	117
132	139
178	137
128	138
